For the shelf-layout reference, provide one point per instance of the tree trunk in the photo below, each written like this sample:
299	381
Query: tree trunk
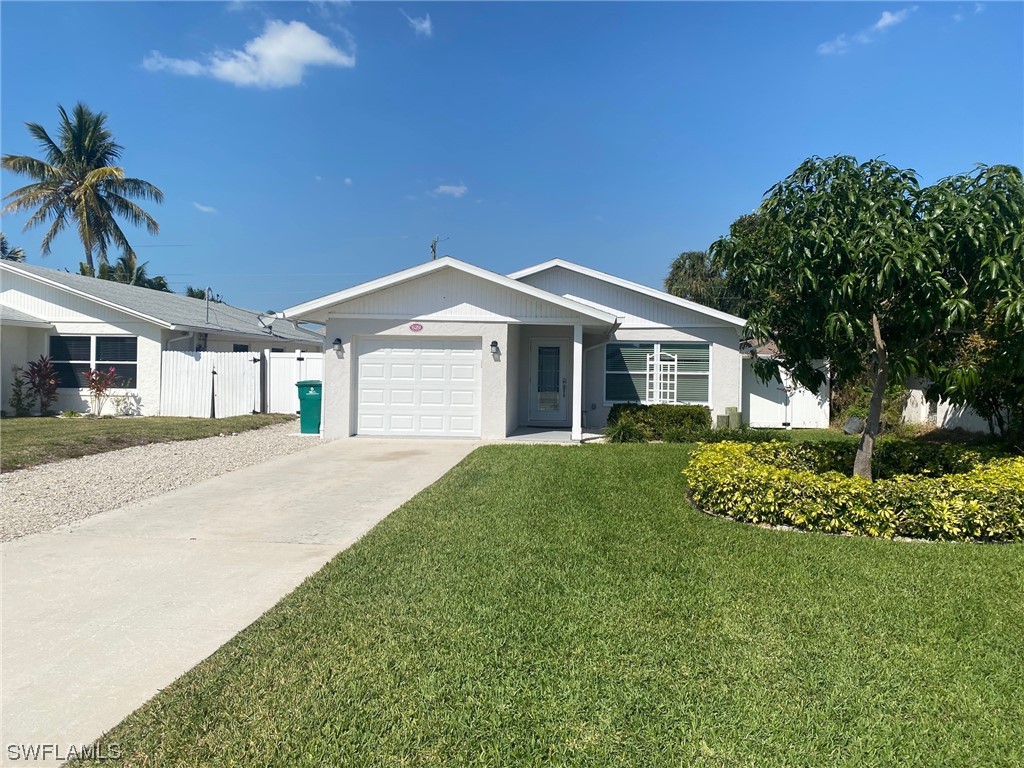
862	461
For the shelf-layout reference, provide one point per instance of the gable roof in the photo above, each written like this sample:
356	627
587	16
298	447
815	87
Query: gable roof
310	309
693	306
167	310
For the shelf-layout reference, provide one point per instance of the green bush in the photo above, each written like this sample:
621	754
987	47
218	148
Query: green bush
628	429
891	457
673	423
792	484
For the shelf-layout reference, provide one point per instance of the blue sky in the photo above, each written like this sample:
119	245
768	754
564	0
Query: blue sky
304	147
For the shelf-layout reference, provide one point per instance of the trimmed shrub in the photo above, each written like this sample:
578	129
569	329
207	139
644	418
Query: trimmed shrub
627	429
784	484
673	423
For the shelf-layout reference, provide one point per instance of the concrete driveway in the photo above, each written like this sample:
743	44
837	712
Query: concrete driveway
99	616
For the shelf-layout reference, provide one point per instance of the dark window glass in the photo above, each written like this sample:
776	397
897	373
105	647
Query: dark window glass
71	375
127	375
116	349
239	347
70	347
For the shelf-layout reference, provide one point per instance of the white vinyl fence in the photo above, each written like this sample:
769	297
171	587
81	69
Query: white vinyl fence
282	370
204	384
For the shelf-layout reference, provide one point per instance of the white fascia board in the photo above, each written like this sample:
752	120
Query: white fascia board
310	308
90	297
630	285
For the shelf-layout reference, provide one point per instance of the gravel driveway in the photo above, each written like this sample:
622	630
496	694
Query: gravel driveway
44	497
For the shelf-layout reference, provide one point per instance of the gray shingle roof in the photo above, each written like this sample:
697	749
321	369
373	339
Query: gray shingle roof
12	315
170	308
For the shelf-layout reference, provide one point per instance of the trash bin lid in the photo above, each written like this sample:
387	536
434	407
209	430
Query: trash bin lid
309	383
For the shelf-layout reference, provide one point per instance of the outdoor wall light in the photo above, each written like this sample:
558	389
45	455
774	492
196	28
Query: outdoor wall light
337	345
494	347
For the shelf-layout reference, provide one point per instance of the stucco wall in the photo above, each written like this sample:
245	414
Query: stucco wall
18	345
340	380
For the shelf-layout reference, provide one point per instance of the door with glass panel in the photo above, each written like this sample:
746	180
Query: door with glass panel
548	380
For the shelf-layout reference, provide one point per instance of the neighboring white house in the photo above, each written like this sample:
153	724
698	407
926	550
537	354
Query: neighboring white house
939	413
449	349
82	323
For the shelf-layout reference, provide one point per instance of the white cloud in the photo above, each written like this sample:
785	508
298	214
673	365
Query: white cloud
205	208
842	43
276	59
453	190
979	7
348	182
892	19
318	178
422	26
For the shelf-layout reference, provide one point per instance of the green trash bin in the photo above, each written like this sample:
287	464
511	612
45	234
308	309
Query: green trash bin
310	393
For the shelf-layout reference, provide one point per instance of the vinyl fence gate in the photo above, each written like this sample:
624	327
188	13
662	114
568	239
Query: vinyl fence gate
220	384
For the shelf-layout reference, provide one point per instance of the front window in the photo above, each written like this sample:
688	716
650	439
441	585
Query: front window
658	372
74	355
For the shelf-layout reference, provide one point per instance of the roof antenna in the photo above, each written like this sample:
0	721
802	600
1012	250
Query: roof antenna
433	246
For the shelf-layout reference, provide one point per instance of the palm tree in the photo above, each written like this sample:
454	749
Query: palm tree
127	270
7	253
79	181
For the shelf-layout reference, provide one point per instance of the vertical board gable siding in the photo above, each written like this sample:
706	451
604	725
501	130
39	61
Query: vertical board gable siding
451	295
636	309
55	305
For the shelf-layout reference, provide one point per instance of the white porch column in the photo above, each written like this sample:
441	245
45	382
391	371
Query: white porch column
577	382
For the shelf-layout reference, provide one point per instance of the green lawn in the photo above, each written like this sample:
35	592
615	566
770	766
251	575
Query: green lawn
547	605
29	441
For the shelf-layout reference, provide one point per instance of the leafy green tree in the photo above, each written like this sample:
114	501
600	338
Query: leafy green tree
8	253
853	261
977	359
79	182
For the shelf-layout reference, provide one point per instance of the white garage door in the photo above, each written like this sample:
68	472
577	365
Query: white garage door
427	387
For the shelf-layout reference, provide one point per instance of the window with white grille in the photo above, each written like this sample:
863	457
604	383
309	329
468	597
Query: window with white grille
657	372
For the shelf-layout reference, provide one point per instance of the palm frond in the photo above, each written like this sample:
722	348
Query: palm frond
52	232
54	154
136	188
32	195
49	210
132	212
30	166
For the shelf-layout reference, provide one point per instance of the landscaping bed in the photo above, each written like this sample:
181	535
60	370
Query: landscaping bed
25	442
929	491
549	605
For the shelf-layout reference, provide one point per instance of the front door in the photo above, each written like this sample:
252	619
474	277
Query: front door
548	380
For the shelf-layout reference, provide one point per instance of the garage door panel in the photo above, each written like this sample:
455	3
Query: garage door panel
403	371
418	386
464	397
402	397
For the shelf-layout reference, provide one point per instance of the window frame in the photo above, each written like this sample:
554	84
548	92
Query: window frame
92	362
657	350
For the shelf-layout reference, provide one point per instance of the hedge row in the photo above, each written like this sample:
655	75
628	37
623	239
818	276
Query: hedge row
637	423
742	481
891	457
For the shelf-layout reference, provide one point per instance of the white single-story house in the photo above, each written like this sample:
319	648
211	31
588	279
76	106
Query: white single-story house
447	348
83	322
